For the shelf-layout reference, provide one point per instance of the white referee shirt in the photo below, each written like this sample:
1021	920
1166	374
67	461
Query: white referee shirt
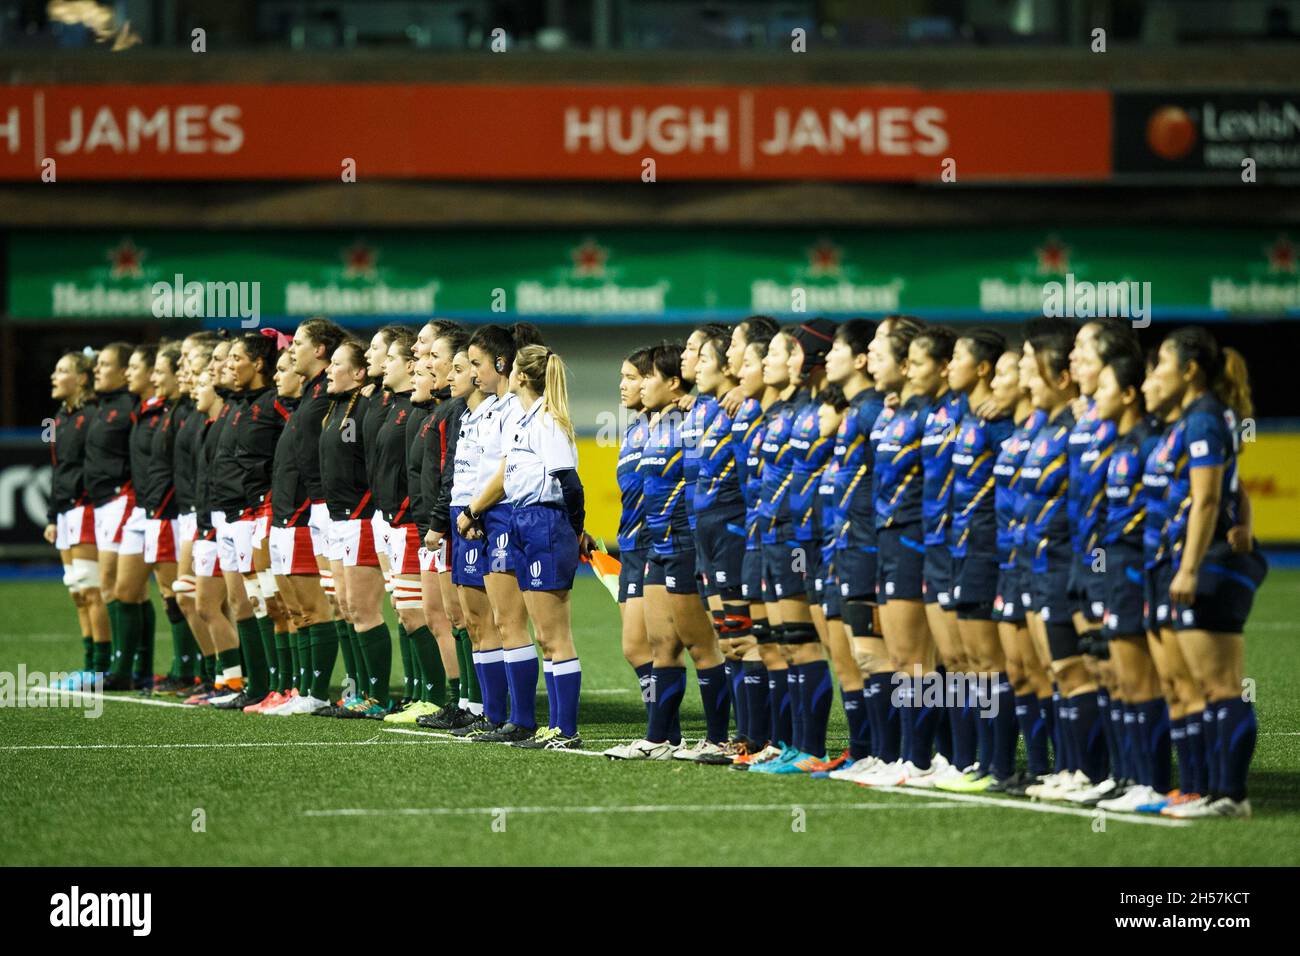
494	430
537	448
464	476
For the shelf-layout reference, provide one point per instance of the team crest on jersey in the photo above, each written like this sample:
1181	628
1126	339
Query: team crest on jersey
503	541
401	413
112	414
471	557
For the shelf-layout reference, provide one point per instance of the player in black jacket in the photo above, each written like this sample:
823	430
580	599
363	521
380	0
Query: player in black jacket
438	343
359	584
106	474
249	438
135	609
71	517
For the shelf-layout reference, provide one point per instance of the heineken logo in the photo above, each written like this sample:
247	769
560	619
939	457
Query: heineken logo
1261	294
361	291
825	284
127	260
589	287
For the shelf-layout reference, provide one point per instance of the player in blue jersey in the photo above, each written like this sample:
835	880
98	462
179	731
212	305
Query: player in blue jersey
719	509
1144	733
897	496
633	536
986	692
1091	444
675	619
1046	471
1216	571
929	369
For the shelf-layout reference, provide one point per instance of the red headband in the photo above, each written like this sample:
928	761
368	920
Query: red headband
282	341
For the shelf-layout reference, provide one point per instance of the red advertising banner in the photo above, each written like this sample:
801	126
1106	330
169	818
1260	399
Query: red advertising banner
487	132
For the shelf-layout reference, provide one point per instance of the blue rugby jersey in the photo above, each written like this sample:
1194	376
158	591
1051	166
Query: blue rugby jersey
1211	439
896	479
632	531
855	455
694	424
1009	495
1157	471
936	465
717	481
663	482
975	451
746	448
1126	500
777	471
831	515
1090	490
1081	438
811	453
1046	473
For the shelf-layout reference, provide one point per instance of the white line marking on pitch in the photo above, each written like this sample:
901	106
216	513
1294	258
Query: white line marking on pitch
272	743
465	740
126	700
1036	807
643	808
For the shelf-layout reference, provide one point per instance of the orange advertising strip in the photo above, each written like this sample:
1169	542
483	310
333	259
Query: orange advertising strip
487	132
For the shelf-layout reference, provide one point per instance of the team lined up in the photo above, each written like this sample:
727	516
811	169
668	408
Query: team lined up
277	489
986	545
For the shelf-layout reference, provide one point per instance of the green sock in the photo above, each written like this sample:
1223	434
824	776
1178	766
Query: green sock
284	660
433	676
183	658
302	641
453	691
473	693
114	609
404	648
87	652
208	668
417	671
324	654
130	618
377	648
148	635
103	658
227	659
345	647
266	629
256	677
362	687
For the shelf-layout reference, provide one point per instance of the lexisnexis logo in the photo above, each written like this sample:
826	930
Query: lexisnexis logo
1267	131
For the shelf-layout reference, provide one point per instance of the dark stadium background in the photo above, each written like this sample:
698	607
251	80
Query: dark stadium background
1240	55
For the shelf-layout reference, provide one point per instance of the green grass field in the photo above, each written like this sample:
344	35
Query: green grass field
125	788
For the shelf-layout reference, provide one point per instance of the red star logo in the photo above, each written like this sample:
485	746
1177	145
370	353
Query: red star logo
588	260
1282	256
126	259
1053	257
359	261
824	259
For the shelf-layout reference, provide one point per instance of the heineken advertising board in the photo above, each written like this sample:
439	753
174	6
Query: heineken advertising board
638	275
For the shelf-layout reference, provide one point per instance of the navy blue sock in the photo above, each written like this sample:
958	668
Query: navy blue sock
798	709
495	686
885	726
759	722
1103	716
818	695
521	677
715	693
778	693
1236	728
667	684
1033	728
1210	743
962	719
1178	737
1004	728
1135	760
1120	756
1192	726
944	732
1055	727
903	694
1153	725
925	727
567	678
643	683
855	712
736	681
1089	723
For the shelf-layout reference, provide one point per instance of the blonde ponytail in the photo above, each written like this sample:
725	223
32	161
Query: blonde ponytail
1233	384
556	395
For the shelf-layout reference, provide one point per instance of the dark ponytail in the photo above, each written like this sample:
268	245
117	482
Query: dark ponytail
985	345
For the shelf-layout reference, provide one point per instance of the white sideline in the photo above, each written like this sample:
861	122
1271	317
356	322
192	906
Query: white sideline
641	808
269	743
149	701
1035	807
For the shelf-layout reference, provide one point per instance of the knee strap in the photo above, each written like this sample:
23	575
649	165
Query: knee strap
857	615
799	634
266	581
173	610
736	621
764	633
1062	641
